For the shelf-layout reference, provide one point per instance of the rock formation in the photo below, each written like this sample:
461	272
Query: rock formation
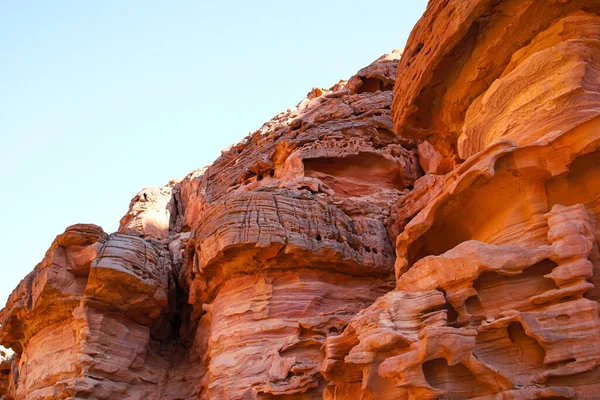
427	229
497	261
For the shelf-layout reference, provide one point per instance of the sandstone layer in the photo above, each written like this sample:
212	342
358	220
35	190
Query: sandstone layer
226	284
427	229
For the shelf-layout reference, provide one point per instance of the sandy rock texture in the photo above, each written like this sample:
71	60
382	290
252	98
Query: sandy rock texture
497	259
427	229
288	237
225	284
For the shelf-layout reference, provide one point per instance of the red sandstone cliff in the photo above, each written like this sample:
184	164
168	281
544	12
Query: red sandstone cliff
427	229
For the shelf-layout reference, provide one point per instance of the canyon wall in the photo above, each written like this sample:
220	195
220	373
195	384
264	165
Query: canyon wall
427	229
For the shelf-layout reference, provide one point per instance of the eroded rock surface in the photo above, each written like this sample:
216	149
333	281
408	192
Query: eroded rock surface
289	237
497	261
226	284
427	229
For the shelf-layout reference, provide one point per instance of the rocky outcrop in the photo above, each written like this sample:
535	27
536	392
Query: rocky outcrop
480	71
427	229
151	213
289	237
480	319
497	261
83	324
227	283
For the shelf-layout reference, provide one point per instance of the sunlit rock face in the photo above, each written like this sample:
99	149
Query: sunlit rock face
289	240
427	229
226	284
86	323
497	260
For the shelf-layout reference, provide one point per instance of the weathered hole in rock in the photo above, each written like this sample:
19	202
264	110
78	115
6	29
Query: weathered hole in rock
456	379
474	307
418	48
578	185
334	331
474	215
512	351
497	292
296	124
372	85
346	176
439	239
379	387
562	318
451	313
383	138
370	249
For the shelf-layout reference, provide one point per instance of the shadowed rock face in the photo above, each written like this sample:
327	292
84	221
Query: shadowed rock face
314	260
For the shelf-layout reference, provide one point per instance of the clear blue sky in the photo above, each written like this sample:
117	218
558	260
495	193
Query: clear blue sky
99	99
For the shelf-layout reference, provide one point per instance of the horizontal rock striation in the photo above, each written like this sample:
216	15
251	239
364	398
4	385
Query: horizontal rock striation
497	261
83	324
227	283
288	237
427	229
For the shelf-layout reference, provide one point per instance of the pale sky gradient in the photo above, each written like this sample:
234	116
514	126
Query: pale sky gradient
99	99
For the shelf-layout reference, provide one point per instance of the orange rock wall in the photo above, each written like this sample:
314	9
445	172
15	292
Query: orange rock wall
427	229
